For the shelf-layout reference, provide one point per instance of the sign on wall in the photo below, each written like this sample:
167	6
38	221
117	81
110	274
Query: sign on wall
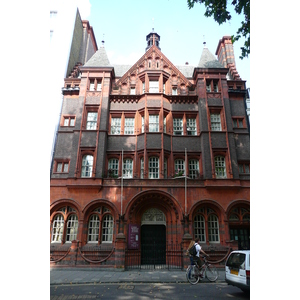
133	236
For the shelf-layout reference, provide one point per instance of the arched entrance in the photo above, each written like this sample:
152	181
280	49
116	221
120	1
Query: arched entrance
153	237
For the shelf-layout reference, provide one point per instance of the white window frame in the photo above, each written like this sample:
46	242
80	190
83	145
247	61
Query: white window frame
72	228
153	167
199	228
107	229
129	126
153	123
87	165
113	164
142	167
191	126
91	120
174	91
179	165
57	229
153	86
220	167
115	126
93	231
193	168
178	126
127	168
215	121
213	229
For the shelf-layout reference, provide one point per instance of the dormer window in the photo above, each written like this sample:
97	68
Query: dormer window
174	90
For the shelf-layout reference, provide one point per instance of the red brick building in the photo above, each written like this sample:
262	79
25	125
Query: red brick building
148	157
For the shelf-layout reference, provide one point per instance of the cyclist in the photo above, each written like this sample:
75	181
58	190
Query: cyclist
196	258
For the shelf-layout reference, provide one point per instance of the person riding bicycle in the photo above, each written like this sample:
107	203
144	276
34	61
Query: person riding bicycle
196	258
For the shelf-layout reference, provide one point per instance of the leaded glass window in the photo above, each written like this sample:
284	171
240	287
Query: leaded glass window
199	228
153	123
72	227
178	126
220	167
57	229
129	126
191	126
87	166
91	123
213	228
107	229
127	168
179	167
153	167
193	168
94	225
215	121
113	167
115	125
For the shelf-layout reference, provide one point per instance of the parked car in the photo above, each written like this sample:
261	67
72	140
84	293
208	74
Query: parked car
237	269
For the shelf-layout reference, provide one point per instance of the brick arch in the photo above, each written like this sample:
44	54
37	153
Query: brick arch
209	202
57	204
161	200
237	202
95	203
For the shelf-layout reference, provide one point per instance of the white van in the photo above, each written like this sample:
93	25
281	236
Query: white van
237	269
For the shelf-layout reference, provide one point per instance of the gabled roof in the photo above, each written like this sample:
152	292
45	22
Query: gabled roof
99	59
208	60
154	51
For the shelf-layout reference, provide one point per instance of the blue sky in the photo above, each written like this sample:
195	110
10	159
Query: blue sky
124	24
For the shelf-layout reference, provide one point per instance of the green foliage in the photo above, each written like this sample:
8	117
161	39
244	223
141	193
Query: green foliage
218	9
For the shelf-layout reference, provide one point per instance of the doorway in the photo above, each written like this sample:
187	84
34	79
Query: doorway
153	244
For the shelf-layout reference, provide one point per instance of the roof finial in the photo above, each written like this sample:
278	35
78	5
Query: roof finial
103	41
204	43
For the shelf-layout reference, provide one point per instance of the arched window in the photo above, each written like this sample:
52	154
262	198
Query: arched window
94	224
57	229
220	167
153	167
206	225
100	221
107	229
213	228
72	227
199	228
87	166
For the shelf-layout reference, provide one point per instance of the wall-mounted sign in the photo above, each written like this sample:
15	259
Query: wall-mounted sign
134	236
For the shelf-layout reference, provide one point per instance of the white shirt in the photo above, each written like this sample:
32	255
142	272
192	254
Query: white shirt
198	248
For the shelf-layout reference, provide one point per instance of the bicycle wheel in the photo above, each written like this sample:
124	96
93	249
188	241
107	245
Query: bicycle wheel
211	273
192	274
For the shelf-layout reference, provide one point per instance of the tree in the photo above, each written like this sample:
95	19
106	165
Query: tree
218	9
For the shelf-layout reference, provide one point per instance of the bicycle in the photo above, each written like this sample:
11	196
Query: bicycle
194	274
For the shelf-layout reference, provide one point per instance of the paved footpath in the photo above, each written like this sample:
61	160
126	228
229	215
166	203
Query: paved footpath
84	276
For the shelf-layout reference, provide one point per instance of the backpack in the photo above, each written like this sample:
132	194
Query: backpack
193	250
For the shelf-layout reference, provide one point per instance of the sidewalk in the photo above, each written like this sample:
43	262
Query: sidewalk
84	276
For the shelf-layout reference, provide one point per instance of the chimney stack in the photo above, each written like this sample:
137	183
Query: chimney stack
225	55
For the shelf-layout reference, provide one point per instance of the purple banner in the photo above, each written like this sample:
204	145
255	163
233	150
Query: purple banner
133	236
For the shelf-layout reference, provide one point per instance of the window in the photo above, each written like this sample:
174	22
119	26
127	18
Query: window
142	167
208	86
193	168
153	123
72	227
174	91
107	229
206	225
143	124
92	85
115	126
62	167
95	85
127	168
129	126
144	87
113	167
179	167
57	229
99	86
244	168
101	217
216	87
165	168
87	166
153	167
178	126
238	123
91	123
132	91
213	228
69	121
165	125
199	228
220	167
153	86
94	225
191	126
215	121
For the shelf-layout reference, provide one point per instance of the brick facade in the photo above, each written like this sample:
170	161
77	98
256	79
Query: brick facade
90	211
